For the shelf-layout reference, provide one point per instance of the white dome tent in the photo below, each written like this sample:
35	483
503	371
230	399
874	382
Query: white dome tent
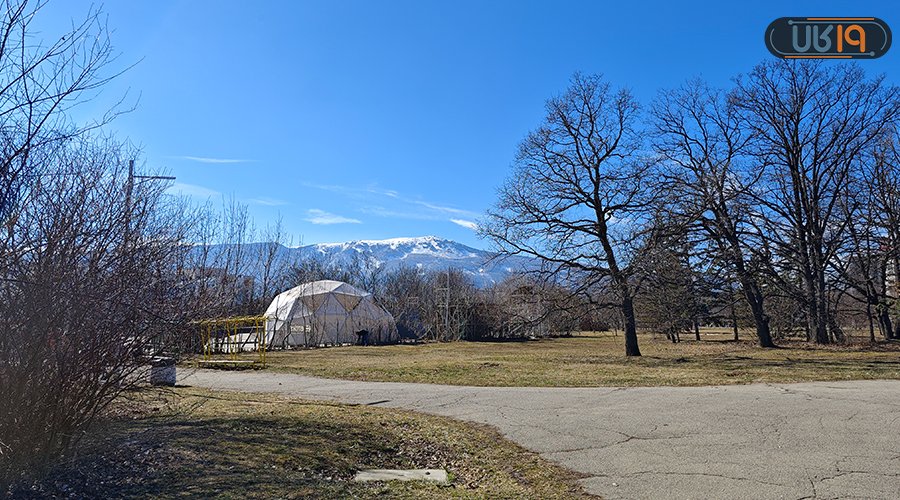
326	313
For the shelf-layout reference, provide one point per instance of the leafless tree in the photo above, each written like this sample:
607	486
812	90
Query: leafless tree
577	195
406	295
667	300
531	308
698	134
863	261
885	186
812	126
237	232
434	305
452	299
40	82
272	263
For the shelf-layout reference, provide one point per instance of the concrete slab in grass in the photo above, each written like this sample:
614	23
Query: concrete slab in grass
436	475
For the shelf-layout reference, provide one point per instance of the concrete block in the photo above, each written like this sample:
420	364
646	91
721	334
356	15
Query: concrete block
436	475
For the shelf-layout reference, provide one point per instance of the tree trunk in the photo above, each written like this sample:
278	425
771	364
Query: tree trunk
755	300
820	317
631	341
697	330
734	322
763	333
884	322
752	294
621	282
835	332
815	327
871	321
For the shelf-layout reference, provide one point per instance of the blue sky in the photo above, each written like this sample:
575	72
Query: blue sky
378	119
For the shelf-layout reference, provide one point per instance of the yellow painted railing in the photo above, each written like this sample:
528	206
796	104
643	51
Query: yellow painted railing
230	341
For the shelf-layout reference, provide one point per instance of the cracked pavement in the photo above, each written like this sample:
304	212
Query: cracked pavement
810	440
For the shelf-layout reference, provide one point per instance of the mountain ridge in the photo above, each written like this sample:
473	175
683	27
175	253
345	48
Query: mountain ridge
428	253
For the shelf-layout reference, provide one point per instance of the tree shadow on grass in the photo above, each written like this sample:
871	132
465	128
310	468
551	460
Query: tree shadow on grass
825	366
254	457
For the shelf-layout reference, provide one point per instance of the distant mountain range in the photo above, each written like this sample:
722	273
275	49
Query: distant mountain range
428	253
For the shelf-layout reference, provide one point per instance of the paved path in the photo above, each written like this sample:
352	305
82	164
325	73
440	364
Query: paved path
814	440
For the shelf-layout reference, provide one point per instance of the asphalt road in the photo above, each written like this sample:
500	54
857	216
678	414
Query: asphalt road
812	440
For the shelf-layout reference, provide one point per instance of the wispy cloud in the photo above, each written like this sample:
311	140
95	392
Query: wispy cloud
380	211
192	190
268	202
389	203
443	209
465	223
316	216
206	159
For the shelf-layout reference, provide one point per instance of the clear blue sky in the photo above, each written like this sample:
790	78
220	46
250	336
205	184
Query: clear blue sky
378	119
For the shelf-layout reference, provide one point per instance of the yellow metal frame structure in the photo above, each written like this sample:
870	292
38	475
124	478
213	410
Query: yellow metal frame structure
232	328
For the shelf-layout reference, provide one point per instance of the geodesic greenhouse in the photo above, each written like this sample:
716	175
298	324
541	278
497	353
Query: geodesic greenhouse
327	313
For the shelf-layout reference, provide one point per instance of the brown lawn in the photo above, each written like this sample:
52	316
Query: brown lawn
597	359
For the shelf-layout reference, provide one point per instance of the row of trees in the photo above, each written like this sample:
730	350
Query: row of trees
783	188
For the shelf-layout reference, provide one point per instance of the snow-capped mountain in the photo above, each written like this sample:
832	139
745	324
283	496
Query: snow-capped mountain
428	253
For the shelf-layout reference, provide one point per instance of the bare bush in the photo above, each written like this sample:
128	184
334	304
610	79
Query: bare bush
89	280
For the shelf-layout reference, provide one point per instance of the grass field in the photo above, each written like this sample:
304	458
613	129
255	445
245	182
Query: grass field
596	359
200	444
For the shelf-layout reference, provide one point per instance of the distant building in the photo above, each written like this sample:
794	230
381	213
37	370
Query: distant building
892	279
238	287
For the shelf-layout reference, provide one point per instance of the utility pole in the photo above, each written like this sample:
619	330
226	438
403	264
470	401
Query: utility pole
129	188
447	306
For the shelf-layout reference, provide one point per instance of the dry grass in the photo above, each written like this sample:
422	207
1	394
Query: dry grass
597	360
201	444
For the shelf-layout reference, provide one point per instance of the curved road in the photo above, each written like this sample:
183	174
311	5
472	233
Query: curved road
813	440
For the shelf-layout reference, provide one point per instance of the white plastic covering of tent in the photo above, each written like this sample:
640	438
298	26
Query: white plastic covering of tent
326	313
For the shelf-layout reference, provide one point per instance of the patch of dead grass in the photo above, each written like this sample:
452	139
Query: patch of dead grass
202	444
597	360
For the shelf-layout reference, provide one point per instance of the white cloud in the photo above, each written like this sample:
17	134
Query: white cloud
465	223
192	190
316	216
400	214
205	159
265	201
443	209
390	203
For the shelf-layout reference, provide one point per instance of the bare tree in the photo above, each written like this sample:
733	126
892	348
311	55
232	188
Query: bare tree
813	126
406	295
881	184
40	82
454	297
238	232
366	273
698	134
863	261
66	272
668	299
435	305
577	195
272	263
